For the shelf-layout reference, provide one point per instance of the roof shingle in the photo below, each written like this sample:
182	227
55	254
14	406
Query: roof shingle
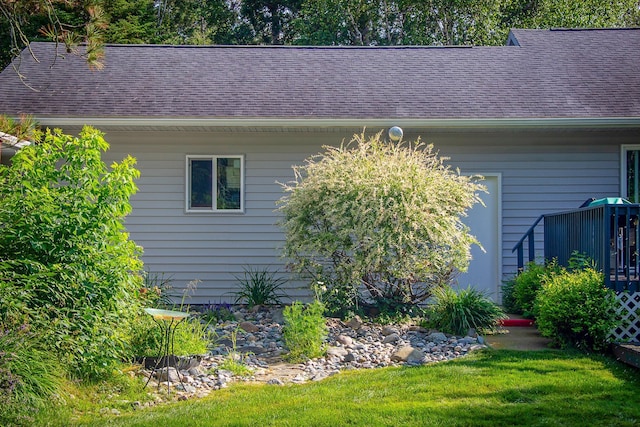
550	74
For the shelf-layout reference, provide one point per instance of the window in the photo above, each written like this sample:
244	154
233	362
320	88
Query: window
631	173
215	184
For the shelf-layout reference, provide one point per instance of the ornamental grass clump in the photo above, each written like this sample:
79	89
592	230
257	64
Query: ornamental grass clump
260	287
377	222
457	312
30	377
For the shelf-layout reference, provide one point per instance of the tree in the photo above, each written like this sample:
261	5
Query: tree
377	222
570	13
199	22
301	22
448	22
67	266
67	22
339	22
130	21
270	19
457	22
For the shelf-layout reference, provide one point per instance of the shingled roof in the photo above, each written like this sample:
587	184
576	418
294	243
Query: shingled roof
541	74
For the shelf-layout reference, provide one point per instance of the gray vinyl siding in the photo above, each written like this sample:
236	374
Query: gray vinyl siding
213	248
541	172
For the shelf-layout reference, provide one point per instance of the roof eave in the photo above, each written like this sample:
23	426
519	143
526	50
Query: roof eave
462	123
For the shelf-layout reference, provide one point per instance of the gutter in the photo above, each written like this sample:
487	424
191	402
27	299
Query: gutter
490	123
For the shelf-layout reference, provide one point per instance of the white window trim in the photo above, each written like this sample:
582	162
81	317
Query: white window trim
623	170
187	184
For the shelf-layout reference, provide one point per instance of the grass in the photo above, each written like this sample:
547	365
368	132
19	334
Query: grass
489	388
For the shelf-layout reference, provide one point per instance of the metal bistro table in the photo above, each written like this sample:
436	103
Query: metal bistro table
167	320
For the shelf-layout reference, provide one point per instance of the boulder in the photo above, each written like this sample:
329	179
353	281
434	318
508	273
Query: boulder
355	323
408	354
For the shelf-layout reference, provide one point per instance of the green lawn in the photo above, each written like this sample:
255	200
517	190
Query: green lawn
489	388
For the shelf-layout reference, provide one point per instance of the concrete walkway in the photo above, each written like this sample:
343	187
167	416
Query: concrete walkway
517	338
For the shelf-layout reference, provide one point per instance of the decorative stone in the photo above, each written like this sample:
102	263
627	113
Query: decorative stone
351	345
437	337
249	327
186	388
408	354
170	374
195	372
389	330
355	323
252	349
344	339
336	351
350	357
391	338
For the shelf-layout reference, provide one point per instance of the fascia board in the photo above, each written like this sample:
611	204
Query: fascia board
491	123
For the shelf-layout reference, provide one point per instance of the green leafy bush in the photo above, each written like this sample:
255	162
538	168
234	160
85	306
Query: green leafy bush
340	300
260	287
456	312
29	376
528	283
67	266
304	330
575	308
508	299
378	221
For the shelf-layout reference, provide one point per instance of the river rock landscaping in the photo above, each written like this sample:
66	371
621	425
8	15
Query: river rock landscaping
254	340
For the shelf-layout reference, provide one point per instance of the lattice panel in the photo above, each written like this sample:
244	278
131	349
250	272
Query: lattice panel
629	330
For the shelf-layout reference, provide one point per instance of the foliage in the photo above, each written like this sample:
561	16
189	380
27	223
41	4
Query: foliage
67	266
235	361
377	221
124	391
580	261
301	22
155	290
26	128
216	313
575	308
340	300
269	19
304	330
29	376
527	284
571	14
386	23
508	299
66	22
191	337
457	312
260	287
170	22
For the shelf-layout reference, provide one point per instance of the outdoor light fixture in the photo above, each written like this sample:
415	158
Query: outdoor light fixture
395	133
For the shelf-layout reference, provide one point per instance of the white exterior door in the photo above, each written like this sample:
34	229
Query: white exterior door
485	268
